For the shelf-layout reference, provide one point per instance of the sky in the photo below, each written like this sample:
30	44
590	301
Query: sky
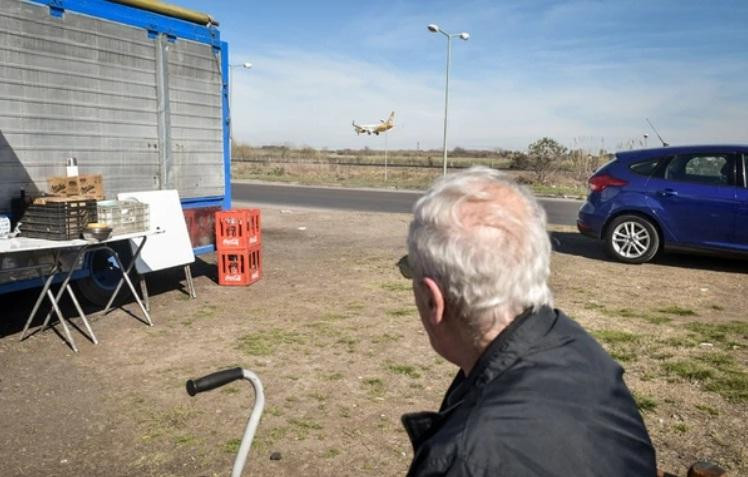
586	73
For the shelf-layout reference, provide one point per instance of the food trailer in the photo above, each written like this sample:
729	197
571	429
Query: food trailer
133	91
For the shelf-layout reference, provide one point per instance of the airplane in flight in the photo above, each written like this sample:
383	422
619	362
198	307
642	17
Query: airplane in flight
375	129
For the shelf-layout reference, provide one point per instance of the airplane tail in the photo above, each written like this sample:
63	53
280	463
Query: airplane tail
391	119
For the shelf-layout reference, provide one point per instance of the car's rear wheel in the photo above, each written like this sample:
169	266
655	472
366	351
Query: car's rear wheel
632	239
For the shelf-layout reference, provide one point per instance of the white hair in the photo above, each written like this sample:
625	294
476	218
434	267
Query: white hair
483	239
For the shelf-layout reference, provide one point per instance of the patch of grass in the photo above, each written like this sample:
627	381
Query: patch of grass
167	423
717	359
401	286
207	311
623	355
349	343
656	319
333	377
707	409
731	385
318	396
356	306
404	370
231	446
627	313
307	424
613	337
184	439
331	453
721	377
679	342
593	306
302	427
644	402
716	307
677	311
402	312
688	369
263	343
268	437
374	386
660	355
334	317
680	427
386	338
718	332
559	190
229	390
274	411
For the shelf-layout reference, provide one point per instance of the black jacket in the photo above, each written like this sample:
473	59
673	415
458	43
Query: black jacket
544	399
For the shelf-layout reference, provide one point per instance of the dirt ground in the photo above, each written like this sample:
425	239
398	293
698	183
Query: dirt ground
332	332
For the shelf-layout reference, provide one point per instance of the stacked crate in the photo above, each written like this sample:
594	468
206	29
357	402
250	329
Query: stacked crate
57	218
238	247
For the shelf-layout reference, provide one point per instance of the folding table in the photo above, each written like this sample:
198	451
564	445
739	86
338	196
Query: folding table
83	247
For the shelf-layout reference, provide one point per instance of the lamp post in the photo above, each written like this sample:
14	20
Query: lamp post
231	95
463	36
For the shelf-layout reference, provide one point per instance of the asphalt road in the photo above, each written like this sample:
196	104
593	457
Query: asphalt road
560	211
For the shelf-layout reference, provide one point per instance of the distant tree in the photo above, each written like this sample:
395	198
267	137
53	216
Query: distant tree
545	157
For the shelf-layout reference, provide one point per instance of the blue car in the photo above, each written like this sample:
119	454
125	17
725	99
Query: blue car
685	198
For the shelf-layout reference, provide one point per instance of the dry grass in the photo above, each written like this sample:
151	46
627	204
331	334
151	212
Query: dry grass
332	331
414	178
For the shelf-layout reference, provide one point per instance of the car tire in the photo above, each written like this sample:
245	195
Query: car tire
98	286
632	239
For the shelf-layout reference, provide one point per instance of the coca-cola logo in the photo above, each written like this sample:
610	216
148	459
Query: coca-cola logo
232	278
234	241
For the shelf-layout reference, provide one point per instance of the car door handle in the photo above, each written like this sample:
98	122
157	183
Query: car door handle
667	193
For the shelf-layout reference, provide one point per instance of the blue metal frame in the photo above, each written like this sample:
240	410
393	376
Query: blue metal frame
198	202
226	130
39	282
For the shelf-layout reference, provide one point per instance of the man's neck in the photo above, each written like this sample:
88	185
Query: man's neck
473	354
474	351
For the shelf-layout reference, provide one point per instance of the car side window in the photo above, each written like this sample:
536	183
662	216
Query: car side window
714	169
645	168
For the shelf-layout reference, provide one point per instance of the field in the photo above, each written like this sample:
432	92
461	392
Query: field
332	331
401	169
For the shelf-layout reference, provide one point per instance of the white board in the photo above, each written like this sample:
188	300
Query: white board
171	248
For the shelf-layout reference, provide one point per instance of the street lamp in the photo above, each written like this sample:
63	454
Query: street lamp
463	36
231	95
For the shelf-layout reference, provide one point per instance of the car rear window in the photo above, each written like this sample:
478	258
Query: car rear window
715	169
645	168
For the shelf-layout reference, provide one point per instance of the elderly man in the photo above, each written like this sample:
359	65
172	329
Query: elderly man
535	395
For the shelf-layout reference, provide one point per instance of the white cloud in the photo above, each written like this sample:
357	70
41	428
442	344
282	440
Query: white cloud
310	99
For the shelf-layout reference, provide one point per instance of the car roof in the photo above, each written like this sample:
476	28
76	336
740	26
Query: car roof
673	150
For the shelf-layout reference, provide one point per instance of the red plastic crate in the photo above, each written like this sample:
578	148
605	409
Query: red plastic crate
239	267
237	229
254	235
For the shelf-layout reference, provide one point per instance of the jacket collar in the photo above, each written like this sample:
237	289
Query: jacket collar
512	343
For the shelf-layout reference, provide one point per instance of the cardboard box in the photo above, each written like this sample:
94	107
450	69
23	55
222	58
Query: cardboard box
90	186
63	186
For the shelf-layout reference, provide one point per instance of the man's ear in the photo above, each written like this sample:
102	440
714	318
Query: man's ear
435	301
